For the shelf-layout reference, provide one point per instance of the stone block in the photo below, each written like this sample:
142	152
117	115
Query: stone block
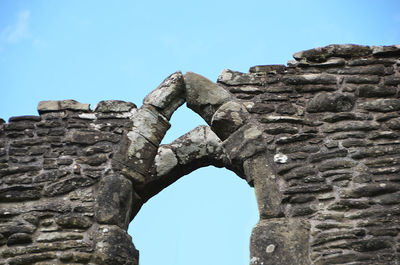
271	69
49	106
204	96
114	247
331	102
228	118
234	78
73	221
19	238
150	124
244	143
66	185
169	95
113	201
307	79
17	193
106	106
321	54
91	137
266	187
386	50
280	241
381	105
371	91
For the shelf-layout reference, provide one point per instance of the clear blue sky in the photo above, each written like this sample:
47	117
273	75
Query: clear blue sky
95	50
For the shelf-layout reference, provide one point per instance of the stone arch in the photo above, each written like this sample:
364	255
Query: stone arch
151	167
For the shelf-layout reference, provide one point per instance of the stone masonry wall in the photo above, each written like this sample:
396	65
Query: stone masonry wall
318	140
54	170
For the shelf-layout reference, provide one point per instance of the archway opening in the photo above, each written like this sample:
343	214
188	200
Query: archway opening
205	217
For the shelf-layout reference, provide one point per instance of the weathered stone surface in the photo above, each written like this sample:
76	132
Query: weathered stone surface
330	62
20	193
244	143
390	198
332	102
18	126
336	164
59	236
374	244
114	201
247	89
197	144
394	124
198	148
375	151
344	205
286	109
364	79
227	119
370	91
169	95
149	123
19	238
370	61
135	156
309	79
32	258
307	189
287	119
366	70
295	138
345	126
386	50
73	221
392	80
341	258
266	187
300	172
382	105
91	137
114	106
321	54
48	106
260	108
24	118
370	190
327	155
282	241
114	246
271	69
232	78
76	257
326	237
67	185
204	96
165	160
93	160
281	128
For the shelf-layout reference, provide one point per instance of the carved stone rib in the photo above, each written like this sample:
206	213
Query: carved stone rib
198	148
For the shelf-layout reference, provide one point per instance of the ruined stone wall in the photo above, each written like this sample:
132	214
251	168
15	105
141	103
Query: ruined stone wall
58	187
327	182
318	140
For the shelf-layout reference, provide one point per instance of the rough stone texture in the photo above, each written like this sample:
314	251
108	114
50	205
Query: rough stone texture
318	140
204	96
47	106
